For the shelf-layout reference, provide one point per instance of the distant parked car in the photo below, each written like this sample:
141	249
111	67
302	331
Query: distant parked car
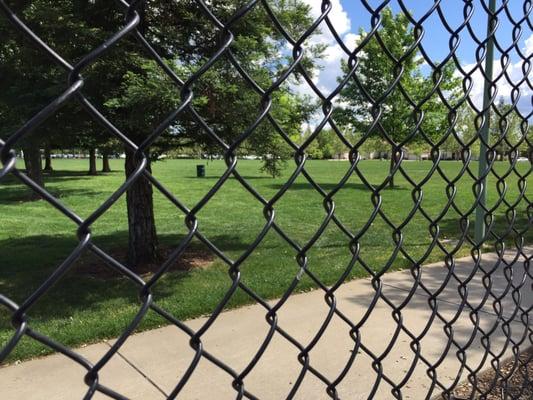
522	159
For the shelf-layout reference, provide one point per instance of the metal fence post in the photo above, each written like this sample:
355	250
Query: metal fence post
484	133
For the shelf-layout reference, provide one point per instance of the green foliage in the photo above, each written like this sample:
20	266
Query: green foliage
507	131
31	79
377	72
330	144
135	93
326	145
373	144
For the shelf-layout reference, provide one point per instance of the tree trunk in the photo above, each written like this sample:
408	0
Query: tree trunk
392	162
47	159
92	162
142	244
105	162
33	165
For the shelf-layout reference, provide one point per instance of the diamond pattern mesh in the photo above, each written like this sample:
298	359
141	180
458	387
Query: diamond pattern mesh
508	245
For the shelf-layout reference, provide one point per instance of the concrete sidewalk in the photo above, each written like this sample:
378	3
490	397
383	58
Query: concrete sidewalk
150	364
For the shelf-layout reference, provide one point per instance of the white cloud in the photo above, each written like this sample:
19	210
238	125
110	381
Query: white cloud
350	39
528	48
338	16
325	78
505	83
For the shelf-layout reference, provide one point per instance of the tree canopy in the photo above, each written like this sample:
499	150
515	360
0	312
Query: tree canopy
136	94
389	85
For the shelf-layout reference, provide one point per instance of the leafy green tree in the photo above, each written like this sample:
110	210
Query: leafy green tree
136	94
418	149
506	129
330	144
466	129
326	145
313	150
526	148
373	144
377	72
30	79
108	149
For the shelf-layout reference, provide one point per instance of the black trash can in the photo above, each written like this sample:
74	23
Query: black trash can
200	170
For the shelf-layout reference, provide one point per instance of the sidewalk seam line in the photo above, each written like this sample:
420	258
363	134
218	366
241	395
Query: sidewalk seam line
139	371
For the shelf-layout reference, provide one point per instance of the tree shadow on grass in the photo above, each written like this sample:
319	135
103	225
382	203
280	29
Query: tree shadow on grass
13	191
54	176
22	194
451	228
26	263
247	177
65	174
331	186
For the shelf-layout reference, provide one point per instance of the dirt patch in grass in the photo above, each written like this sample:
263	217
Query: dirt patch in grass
514	382
192	258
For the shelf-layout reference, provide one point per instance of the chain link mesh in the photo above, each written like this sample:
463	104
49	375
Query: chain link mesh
509	245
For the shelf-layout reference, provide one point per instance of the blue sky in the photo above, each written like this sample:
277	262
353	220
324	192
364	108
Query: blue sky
436	37
348	16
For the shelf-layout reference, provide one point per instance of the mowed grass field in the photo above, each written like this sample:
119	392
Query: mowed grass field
85	307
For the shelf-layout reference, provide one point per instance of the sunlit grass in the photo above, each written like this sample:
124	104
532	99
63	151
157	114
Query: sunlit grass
82	308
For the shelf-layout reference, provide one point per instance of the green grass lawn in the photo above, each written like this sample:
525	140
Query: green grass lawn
82	308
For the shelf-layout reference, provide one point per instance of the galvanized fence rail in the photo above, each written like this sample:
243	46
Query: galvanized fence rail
486	238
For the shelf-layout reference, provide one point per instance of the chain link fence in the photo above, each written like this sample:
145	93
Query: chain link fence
505	279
